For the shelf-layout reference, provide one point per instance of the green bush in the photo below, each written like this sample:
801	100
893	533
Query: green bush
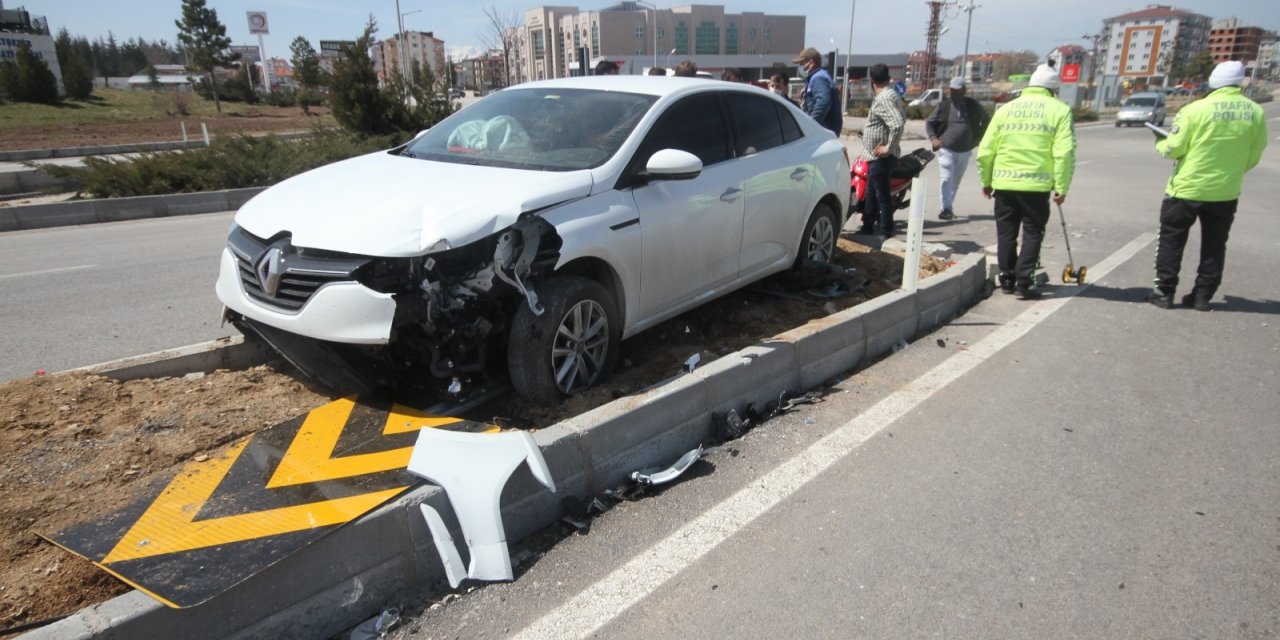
918	113
27	78
1083	114
283	97
229	163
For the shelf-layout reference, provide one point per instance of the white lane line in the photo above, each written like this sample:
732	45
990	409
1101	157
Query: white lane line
1081	163
46	271
595	606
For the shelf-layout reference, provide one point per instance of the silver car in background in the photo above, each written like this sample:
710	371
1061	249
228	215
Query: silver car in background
1140	108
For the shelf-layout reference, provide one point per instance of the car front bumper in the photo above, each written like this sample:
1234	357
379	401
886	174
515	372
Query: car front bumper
347	312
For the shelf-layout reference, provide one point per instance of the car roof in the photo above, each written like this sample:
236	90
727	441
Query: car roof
648	85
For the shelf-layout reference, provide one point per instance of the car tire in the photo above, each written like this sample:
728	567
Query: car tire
565	350
820	234
1117	125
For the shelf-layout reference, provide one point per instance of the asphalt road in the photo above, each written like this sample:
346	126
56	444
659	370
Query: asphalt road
77	296
1083	466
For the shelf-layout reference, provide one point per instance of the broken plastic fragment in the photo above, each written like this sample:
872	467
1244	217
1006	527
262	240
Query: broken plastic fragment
454	570
376	627
662	476
692	362
472	468
455	387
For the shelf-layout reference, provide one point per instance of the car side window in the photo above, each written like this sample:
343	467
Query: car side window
694	124
790	128
755	123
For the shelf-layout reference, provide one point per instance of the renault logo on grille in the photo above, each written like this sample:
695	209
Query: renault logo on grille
268	270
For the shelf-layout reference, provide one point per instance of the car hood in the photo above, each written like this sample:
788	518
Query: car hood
395	206
1136	109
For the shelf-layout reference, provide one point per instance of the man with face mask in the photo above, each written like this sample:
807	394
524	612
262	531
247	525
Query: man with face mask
821	101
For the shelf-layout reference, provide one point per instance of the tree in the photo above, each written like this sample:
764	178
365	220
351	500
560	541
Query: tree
1200	66
501	35
27	78
306	70
205	38
358	104
77	76
1008	63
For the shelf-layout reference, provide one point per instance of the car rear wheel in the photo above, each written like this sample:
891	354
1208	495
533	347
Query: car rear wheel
570	347
819	240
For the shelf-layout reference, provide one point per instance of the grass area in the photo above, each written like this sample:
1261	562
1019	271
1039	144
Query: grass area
117	116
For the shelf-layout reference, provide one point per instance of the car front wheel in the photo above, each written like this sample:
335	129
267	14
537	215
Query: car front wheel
570	347
819	240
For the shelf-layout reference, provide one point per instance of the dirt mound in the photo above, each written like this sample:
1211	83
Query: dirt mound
78	445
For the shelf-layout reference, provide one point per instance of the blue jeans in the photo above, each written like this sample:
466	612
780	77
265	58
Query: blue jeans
879	202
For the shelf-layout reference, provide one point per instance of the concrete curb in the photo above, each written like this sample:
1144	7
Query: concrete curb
61	214
224	353
350	574
13	183
104	150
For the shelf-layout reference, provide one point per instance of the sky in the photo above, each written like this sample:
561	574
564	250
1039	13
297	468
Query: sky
879	26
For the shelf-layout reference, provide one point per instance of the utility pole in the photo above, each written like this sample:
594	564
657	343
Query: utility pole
848	53
1097	40
931	43
964	66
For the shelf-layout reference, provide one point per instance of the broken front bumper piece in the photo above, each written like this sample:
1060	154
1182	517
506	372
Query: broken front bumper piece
662	476
472	468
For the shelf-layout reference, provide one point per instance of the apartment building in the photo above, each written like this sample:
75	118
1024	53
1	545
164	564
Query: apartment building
419	46
1230	40
1141	47
641	36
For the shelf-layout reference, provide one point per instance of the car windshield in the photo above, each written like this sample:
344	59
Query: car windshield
544	129
1140	102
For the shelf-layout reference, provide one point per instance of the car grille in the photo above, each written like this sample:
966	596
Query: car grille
300	274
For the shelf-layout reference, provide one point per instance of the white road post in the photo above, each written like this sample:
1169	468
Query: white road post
205	128
915	235
184	129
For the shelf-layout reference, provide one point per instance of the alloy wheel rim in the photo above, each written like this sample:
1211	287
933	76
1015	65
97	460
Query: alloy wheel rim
580	347
821	240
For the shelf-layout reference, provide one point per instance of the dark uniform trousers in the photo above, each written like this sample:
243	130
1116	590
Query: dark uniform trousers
1176	217
1027	211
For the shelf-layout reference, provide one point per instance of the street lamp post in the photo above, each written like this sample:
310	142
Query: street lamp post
404	46
673	52
654	28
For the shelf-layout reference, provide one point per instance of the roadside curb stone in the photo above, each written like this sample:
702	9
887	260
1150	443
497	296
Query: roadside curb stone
350	574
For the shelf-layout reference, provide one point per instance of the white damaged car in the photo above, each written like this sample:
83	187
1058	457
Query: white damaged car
528	234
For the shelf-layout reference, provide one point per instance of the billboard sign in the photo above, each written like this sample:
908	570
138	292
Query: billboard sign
257	22
246	52
1071	73
41	46
333	48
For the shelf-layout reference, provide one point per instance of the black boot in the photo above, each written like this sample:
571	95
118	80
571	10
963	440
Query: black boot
1196	301
1161	299
1006	282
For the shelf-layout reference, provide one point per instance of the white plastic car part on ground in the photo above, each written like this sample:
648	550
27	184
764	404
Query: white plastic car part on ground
472	468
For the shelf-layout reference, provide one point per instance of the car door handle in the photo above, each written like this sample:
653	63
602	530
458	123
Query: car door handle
799	174
730	194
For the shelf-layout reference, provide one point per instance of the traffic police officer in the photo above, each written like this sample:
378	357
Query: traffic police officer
1215	140
1029	151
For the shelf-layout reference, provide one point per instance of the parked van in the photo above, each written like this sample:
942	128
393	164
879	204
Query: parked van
927	99
1147	106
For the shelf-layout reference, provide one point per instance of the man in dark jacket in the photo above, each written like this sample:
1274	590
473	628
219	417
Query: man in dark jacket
821	100
955	128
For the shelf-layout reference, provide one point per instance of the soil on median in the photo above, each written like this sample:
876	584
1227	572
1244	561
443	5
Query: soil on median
76	446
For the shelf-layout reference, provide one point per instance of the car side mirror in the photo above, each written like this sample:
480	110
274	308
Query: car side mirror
672	164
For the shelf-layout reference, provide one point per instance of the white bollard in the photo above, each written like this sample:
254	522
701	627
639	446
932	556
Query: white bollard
205	128
915	235
183	124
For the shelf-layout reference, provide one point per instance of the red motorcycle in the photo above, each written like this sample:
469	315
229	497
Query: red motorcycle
906	168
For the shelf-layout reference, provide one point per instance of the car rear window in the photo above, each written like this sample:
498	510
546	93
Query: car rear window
541	129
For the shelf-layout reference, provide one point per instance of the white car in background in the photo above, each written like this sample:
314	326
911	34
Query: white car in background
530	233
